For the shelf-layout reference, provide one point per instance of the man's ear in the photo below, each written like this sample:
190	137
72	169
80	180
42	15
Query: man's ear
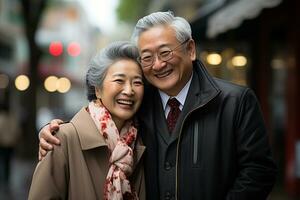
191	47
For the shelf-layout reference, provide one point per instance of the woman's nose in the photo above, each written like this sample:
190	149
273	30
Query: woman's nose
128	89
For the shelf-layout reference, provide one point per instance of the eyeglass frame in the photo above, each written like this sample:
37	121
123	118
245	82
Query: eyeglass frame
139	59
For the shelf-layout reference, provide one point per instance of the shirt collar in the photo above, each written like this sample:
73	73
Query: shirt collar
181	96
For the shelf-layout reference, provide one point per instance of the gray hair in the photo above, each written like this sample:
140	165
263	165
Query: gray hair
100	63
181	27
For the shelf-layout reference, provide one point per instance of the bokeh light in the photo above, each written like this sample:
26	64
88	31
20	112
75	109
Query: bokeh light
22	82
239	61
63	85
74	49
50	83
55	48
214	59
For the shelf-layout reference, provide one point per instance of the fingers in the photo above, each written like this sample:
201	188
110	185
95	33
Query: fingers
45	146
47	140
40	156
42	153
46	134
54	124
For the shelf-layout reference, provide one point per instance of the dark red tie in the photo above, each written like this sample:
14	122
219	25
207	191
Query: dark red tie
173	114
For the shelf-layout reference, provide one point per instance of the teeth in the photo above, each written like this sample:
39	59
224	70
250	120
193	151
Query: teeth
161	75
127	102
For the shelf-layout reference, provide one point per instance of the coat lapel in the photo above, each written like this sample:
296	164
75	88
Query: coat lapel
139	150
94	149
161	122
192	100
88	134
138	174
201	91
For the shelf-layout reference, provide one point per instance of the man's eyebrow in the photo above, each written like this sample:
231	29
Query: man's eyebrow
159	47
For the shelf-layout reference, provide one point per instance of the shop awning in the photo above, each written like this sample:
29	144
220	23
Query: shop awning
232	15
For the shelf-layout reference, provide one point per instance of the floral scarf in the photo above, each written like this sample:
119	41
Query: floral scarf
117	185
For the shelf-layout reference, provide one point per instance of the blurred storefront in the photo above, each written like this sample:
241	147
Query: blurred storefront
64	41
266	35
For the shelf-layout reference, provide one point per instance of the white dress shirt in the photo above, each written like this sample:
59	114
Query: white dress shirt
180	97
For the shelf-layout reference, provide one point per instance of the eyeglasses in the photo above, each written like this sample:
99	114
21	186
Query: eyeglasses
164	54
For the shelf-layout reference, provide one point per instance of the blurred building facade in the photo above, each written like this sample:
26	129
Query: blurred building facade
60	70
267	33
68	41
11	52
253	43
64	29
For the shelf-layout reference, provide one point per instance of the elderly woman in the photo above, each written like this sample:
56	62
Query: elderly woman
100	152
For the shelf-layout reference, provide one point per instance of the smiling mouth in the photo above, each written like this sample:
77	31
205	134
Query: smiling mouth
163	74
125	102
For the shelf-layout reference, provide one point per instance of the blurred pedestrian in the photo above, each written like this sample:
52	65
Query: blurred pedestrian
9	136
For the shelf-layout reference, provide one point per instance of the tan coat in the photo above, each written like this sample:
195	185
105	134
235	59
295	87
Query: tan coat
78	167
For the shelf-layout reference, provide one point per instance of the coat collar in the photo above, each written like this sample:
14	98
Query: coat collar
203	86
90	137
88	134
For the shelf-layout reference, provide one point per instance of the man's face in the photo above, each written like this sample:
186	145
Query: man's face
172	75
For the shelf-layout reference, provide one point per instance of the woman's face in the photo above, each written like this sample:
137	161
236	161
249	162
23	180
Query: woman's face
122	90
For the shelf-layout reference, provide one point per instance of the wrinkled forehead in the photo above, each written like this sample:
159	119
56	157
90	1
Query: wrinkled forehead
155	37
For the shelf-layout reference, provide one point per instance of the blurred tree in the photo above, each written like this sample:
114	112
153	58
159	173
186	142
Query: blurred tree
131	10
32	12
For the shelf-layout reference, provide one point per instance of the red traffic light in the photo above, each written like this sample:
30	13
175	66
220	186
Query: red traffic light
55	48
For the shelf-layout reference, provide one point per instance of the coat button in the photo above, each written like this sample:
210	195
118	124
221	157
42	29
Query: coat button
167	196
168	166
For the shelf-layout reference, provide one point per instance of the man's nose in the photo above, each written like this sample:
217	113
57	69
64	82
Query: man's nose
158	64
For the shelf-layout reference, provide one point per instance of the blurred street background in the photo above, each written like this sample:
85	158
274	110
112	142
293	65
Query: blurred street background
45	46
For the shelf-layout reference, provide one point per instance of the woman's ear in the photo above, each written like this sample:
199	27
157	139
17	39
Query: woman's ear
98	93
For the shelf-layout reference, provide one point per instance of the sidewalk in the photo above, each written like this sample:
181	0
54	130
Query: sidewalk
21	173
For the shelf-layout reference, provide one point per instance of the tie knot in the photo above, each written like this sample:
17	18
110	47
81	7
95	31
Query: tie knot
173	103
